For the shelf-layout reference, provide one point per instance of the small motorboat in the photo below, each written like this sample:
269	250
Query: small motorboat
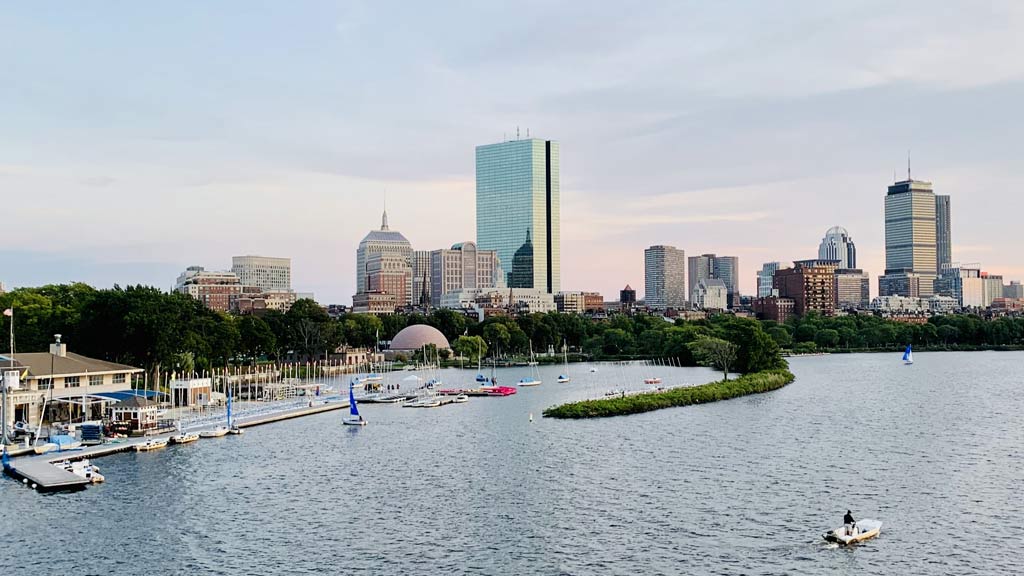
215	433
461	399
151	444
184	437
593	370
863	530
654	380
83	469
235	430
612	393
562	379
528	381
44	448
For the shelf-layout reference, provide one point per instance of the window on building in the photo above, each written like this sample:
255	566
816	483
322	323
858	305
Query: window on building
118	378
45	383
95	380
71	382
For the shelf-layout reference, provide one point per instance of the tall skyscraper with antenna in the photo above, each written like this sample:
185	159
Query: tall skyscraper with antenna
910	239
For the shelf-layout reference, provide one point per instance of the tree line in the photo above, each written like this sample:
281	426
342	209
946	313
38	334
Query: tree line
146	327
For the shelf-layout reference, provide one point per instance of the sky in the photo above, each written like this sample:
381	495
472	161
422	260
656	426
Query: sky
138	138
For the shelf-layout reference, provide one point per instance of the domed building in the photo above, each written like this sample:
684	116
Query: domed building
838	245
415	337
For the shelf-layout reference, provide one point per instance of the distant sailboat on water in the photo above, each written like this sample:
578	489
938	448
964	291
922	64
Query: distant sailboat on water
908	356
354	418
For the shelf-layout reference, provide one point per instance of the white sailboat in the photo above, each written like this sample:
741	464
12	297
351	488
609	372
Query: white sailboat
534	378
908	356
564	377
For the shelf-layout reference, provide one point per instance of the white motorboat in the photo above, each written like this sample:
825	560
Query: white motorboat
860	531
83	469
235	430
184	437
44	448
215	433
461	399
151	444
593	370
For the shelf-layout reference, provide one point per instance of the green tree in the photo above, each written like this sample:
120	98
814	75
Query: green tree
472	348
827	338
716	353
256	337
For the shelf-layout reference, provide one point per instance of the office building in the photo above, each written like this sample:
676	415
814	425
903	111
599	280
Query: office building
463	267
664	278
389	273
853	289
216	290
1014	290
421	277
711	294
627	299
910	244
711	266
766	279
263	272
811	284
837	245
383	241
943	236
518	210
577	302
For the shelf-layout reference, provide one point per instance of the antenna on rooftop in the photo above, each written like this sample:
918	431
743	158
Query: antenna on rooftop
527	133
908	165
517	132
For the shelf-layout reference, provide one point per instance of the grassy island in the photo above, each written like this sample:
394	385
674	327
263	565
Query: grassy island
755	383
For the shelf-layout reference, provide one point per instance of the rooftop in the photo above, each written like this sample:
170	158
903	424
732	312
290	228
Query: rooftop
38	364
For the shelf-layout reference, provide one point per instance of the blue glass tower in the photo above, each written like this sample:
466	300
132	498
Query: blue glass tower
517	210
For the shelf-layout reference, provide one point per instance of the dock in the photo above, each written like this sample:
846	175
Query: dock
38	471
44	476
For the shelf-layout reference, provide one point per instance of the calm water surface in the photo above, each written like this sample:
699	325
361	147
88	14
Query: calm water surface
739	487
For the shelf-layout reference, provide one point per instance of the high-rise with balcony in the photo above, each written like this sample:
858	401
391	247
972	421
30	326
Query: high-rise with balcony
910	251
664	278
517	210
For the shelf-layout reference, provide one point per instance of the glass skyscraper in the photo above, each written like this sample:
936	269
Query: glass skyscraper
517	210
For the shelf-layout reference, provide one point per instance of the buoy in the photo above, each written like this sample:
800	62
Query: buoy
24	480
33	486
531	416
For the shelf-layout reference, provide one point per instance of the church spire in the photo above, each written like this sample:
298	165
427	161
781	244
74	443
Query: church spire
384	218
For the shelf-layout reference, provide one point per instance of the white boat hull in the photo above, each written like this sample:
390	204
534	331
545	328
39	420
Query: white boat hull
863	530
355	422
215	433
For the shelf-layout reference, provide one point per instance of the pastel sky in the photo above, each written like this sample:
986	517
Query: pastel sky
138	138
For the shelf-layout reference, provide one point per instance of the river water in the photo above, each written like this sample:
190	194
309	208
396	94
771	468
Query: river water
747	486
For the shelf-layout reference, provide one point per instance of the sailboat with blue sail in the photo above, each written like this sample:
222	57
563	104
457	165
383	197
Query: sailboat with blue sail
908	356
354	418
232	425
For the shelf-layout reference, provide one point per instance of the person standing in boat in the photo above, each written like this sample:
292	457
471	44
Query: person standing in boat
849	523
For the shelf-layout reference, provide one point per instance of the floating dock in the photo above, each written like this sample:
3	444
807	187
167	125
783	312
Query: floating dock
44	476
38	471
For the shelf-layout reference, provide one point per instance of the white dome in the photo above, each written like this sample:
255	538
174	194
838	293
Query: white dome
414	337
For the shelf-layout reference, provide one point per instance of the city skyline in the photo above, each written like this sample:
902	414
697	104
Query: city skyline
723	155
